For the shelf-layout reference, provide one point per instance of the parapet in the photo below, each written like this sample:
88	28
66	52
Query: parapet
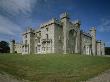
77	22
93	29
86	34
52	21
28	30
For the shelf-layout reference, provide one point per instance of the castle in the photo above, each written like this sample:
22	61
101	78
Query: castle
59	36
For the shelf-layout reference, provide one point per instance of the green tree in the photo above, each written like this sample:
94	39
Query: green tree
4	47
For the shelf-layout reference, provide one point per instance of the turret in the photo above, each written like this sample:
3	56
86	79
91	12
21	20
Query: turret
12	46
77	24
102	48
65	23
28	41
98	43
93	34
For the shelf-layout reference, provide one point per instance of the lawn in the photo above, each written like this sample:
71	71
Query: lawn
53	67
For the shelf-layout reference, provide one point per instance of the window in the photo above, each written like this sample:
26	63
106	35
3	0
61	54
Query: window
47	48
25	49
25	36
39	33
59	37
35	40
36	49
47	29
25	41
38	40
47	36
36	34
44	48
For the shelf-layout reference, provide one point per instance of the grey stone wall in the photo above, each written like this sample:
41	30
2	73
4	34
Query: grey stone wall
47	38
58	38
86	44
12	46
93	34
18	47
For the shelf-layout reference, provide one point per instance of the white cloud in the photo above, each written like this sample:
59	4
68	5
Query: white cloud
8	27
104	26
14	7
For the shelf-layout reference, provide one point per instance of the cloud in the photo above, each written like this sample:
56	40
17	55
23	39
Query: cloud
104	26
14	7
8	27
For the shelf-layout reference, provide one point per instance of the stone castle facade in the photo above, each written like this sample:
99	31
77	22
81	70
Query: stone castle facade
59	36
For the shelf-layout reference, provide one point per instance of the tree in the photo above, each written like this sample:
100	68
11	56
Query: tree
4	47
107	50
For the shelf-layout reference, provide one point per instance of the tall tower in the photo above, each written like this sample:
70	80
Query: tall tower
93	34
28	41
78	46
102	48
12	46
31	40
65	22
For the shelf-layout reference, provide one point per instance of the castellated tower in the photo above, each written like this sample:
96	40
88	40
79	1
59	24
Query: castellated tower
65	22
93	34
28	41
12	46
78	46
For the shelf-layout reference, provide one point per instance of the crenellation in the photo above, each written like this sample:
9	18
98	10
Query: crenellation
52	21
77	22
86	34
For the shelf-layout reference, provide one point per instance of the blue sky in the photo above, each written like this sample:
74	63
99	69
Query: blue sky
17	15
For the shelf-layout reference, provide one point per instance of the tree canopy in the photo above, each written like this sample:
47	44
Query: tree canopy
107	50
4	47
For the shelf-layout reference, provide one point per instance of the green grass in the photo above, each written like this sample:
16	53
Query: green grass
53	68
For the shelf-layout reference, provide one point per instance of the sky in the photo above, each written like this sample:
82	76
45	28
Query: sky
17	15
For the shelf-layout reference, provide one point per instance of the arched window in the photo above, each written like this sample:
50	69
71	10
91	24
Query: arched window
25	36
47	36
46	29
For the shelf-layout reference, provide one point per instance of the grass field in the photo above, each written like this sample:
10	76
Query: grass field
53	68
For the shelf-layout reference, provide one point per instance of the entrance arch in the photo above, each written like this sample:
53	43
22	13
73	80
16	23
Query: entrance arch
72	40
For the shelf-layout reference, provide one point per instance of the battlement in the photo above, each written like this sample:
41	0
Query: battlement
93	29
85	33
52	21
28	30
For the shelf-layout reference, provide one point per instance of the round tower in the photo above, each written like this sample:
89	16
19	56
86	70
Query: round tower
64	18
12	46
93	34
